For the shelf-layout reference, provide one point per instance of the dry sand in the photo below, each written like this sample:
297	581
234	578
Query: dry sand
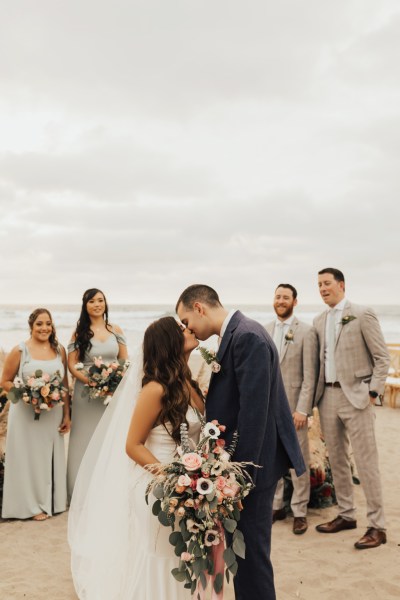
35	556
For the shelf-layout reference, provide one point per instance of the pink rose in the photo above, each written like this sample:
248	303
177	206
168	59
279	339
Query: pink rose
215	367
231	489
31	381
186	556
220	482
191	461
55	395
98	362
46	377
184	480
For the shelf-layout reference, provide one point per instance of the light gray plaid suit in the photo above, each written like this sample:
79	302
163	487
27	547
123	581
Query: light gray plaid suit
299	367
362	362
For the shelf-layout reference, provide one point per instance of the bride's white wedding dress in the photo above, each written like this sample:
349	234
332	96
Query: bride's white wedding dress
119	550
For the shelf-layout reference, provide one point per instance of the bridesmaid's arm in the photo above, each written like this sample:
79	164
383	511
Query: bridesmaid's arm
66	421
73	359
147	410
10	369
123	348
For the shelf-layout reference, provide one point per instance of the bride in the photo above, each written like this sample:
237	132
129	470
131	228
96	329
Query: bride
119	550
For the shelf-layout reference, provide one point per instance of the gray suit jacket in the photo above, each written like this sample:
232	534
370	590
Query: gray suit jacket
299	365
361	356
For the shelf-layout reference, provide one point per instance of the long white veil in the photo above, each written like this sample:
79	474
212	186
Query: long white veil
98	523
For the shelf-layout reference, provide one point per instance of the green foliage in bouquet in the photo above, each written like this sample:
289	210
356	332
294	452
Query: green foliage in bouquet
199	496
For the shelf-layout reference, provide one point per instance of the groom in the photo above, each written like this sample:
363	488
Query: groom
247	395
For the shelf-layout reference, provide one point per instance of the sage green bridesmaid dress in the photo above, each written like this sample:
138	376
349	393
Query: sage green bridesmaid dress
87	413
35	469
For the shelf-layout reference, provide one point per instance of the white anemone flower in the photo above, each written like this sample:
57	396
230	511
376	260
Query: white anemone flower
212	431
204	486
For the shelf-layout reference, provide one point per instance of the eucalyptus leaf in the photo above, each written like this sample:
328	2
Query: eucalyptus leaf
230	525
203	580
233	568
179	575
38	373
210	496
12	396
228	577
236	513
156	508
238	534
163	518
239	547
175	537
197	566
158	491
180	547
218	582
229	557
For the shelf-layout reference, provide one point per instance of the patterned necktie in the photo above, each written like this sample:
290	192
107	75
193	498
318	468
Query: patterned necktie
331	376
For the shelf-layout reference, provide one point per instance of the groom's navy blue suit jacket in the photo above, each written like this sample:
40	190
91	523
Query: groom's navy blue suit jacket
247	394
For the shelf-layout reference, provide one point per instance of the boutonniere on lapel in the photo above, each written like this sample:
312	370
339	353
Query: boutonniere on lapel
347	319
289	337
210	358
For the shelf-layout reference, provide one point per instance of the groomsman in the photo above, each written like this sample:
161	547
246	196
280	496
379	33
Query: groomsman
297	346
354	362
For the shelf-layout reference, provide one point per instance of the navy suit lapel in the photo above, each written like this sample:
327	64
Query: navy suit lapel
233	323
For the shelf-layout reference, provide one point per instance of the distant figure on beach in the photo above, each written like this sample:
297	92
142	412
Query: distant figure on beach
354	362
93	337
247	395
297	347
35	469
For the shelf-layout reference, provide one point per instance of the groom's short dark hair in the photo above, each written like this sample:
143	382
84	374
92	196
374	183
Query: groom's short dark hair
198	293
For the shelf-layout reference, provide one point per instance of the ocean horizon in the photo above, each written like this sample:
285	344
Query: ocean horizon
134	318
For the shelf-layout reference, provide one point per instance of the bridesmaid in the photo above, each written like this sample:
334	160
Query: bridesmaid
35	470
94	336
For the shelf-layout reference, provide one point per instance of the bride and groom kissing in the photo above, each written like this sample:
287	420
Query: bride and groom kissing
119	551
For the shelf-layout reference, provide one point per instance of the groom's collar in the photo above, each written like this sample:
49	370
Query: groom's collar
226	321
231	324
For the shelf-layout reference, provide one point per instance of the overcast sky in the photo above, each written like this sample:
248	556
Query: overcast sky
146	145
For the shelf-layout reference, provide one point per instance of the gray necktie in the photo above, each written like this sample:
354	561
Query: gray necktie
279	337
331	371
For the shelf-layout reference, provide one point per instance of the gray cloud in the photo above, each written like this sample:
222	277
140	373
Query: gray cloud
149	145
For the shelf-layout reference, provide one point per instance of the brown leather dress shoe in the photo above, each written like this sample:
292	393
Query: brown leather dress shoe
278	515
371	539
300	525
336	525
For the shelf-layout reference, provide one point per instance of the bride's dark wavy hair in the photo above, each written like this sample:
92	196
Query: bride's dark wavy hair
53	336
83	333
164	361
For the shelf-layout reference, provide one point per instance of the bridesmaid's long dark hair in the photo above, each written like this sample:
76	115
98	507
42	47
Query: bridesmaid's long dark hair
53	336
83	333
164	361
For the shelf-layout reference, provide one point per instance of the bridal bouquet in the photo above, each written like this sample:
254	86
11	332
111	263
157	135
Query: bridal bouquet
104	378
201	492
41	390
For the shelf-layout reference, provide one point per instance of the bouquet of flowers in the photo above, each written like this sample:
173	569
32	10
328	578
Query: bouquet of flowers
201	493
41	390
104	378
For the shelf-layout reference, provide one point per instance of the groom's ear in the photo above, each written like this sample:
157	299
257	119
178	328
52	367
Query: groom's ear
198	307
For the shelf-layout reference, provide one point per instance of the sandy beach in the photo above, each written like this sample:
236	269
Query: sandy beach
35	556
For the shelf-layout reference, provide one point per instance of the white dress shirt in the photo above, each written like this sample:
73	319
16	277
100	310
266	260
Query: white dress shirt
337	313
286	325
226	321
